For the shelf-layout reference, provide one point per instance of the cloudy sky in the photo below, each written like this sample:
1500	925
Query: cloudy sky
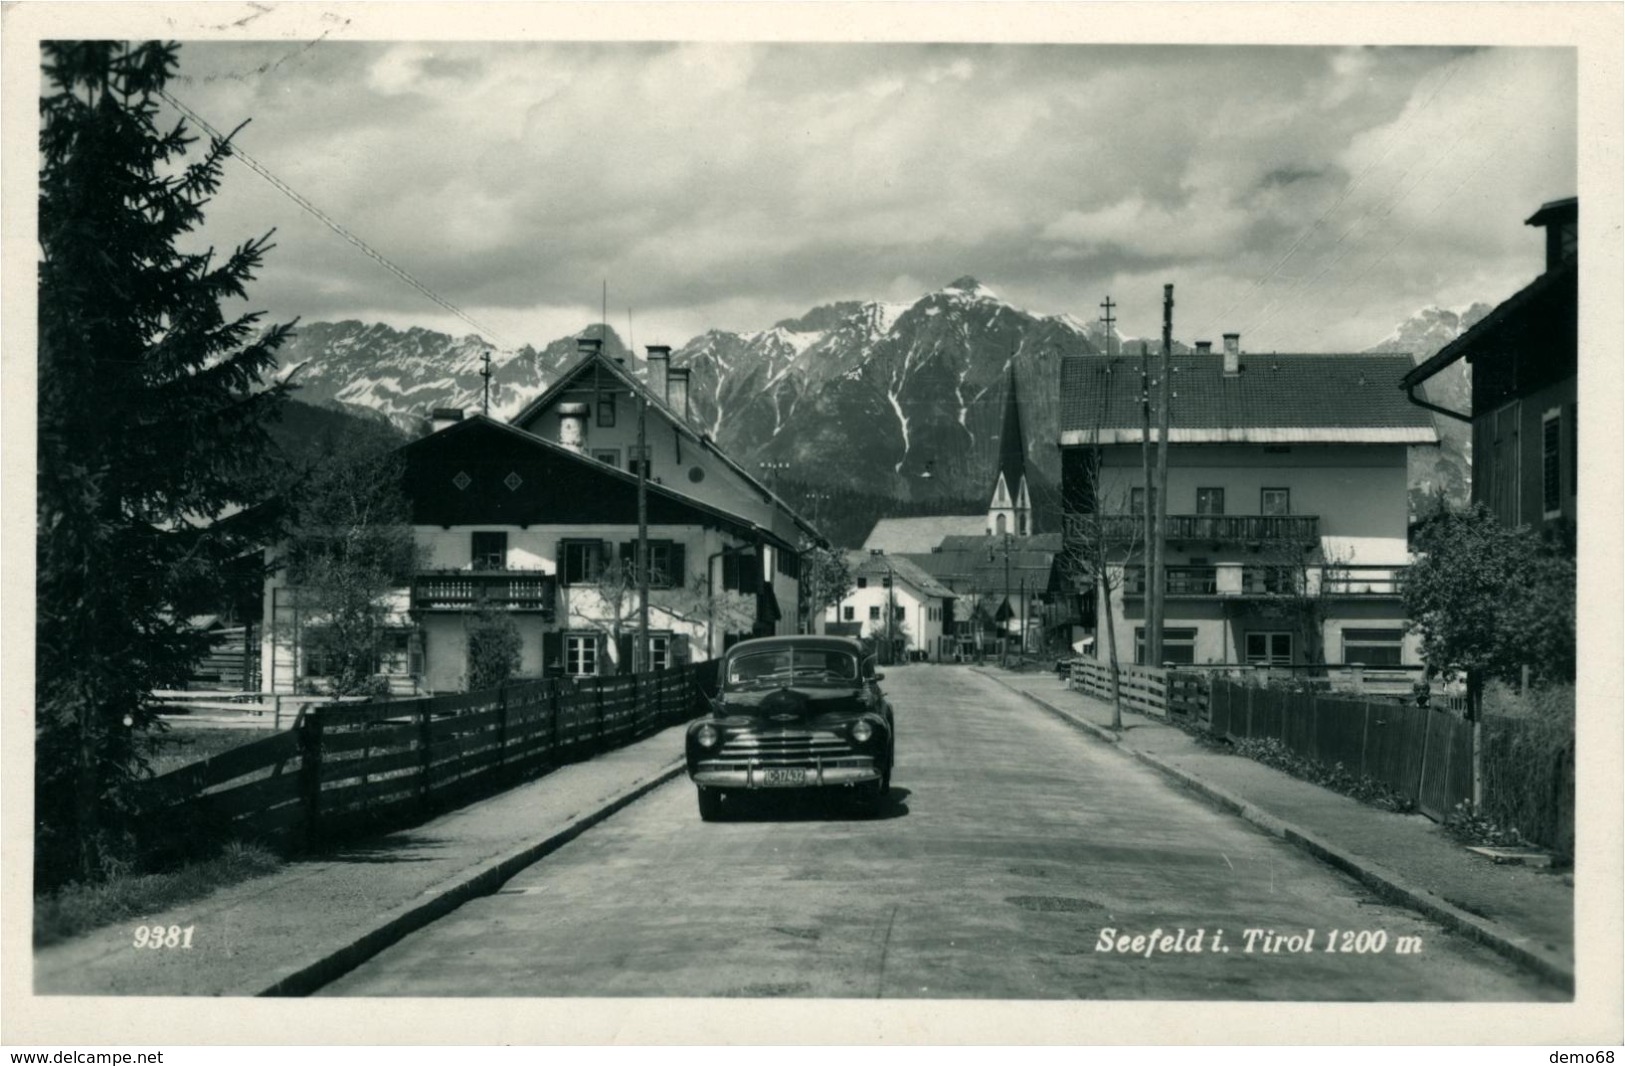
1309	198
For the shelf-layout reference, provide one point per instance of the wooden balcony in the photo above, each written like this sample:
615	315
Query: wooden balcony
1296	529
1267	582
469	590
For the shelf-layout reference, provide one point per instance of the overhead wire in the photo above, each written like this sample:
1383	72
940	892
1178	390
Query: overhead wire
333	224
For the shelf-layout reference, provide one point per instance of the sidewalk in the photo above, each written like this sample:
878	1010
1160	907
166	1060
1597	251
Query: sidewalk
294	930
1521	912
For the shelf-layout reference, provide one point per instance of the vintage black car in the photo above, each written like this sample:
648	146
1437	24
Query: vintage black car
801	712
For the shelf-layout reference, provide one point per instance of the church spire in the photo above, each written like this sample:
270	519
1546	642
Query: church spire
1010	506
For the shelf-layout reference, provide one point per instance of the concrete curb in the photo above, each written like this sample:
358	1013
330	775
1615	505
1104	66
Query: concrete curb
482	880
1383	881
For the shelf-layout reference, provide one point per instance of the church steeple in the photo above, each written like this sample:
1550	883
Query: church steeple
1010	506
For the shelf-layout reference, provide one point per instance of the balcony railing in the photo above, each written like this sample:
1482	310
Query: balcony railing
1266	581
1209	528
465	590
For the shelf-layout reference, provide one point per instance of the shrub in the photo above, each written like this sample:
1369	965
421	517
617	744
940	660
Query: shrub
1471	826
1272	752
493	650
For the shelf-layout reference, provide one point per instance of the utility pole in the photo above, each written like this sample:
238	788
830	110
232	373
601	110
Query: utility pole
485	372
1108	319
1023	652
1165	403
1004	638
1147	508
640	653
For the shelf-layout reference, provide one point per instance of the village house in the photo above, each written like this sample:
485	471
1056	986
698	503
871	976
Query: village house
902	608
1286	532
1525	386
536	519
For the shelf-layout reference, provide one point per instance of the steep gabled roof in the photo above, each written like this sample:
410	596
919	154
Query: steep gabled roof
868	564
1012	445
591	476
1559	283
1277	398
617	370
923	533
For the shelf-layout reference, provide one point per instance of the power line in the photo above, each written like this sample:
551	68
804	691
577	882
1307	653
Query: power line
366	249
1348	190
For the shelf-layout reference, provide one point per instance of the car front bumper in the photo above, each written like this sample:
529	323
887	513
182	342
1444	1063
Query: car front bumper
849	771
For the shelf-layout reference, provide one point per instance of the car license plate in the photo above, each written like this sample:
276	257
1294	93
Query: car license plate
784	778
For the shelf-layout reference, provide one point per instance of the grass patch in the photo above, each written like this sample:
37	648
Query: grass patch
181	745
79	908
1368	790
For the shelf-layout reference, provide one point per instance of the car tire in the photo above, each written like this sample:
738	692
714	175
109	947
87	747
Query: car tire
710	801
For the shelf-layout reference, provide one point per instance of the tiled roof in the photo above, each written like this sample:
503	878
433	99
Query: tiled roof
977	563
921	534
1277	397
868	564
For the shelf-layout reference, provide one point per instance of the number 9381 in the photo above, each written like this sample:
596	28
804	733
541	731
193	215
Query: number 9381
163	936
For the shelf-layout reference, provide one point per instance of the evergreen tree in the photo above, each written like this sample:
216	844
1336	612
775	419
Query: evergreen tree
151	416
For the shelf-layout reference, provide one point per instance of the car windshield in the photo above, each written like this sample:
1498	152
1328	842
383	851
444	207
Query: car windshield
792	666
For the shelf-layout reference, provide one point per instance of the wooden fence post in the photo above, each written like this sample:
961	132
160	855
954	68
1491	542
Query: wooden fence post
425	756
310	776
502	727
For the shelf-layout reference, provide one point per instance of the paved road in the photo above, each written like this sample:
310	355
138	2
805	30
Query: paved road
1012	844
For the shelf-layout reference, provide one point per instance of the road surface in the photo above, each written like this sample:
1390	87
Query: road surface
1018	859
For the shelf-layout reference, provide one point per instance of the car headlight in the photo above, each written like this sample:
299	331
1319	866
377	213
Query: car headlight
707	736
862	730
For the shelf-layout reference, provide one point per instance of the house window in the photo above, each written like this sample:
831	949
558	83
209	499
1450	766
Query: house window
741	573
874	612
612	456
667	562
849	614
1178	645
1268	649
660	651
1274	501
1210	501
899	612
1373	647
606	409
863	582
581	561
632	454
489	551
1000	526
1551	463
1021	524
580	654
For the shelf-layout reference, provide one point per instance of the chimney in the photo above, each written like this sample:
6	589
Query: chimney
573	425
1204	347
445	417
588	345
1232	354
677	390
659	366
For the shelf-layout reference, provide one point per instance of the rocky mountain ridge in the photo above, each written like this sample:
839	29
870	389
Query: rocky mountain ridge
898	399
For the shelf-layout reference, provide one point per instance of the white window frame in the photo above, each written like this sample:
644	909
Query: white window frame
1551	492
581	650
660	651
1171	636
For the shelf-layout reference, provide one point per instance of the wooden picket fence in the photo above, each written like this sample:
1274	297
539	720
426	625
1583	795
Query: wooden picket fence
1421	753
347	769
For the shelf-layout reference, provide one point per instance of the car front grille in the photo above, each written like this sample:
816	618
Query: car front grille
789	748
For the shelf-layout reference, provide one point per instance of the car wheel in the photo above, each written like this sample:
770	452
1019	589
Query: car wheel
866	798
885	780
710	804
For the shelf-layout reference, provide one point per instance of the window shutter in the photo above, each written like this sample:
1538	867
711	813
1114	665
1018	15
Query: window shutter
623	651
560	564
606	557
750	574
679	649
552	654
678	577
730	572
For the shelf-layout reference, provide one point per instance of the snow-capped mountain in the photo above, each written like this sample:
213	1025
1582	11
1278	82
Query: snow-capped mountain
868	395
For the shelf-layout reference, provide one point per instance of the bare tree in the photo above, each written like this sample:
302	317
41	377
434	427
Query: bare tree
1095	554
607	604
1300	585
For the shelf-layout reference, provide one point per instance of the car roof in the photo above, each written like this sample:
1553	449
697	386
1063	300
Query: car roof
804	640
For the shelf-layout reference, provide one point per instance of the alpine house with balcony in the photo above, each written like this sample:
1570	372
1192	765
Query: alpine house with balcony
1285	537
543	527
